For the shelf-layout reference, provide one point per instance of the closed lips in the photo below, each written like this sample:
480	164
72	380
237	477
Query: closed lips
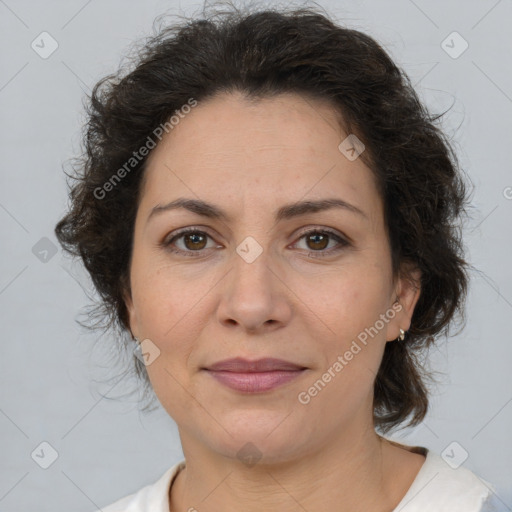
240	365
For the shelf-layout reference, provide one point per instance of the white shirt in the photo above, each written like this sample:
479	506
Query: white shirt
436	488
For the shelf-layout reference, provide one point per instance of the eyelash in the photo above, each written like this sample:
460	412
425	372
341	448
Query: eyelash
314	254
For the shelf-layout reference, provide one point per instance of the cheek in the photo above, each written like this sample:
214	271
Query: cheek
164	297
352	352
347	301
349	304
168	314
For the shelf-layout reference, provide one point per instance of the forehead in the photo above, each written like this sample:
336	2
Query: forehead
233	150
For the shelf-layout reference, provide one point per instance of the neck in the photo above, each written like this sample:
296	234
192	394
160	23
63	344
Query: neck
350	473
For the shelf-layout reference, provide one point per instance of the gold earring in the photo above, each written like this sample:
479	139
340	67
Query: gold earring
402	335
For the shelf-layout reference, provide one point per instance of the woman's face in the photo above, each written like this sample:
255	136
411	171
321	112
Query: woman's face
253	283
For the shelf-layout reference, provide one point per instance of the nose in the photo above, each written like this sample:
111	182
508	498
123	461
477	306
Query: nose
254	295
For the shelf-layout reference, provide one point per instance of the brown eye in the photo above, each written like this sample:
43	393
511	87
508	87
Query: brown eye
195	240
317	241
187	242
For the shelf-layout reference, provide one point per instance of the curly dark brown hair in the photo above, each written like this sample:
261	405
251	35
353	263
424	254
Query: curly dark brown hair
263	53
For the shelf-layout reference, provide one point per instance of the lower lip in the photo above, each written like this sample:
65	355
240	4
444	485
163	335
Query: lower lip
255	382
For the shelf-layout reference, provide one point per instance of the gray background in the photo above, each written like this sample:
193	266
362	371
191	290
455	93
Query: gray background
52	388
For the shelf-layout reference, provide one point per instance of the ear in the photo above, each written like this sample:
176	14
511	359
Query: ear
132	317
407	291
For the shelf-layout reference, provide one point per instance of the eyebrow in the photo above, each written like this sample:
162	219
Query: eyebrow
289	211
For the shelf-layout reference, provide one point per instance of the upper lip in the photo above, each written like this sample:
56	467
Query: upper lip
267	364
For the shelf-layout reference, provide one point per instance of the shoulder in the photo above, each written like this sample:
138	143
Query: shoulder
151	498
440	487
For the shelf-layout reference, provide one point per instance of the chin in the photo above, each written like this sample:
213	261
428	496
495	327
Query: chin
262	436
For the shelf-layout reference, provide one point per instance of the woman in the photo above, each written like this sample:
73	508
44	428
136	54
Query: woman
269	213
